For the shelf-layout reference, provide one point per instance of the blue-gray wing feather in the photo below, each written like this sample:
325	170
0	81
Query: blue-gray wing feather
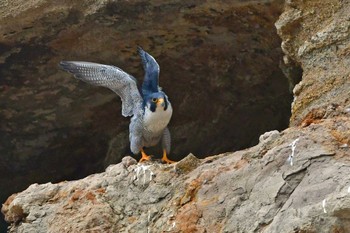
151	67
111	77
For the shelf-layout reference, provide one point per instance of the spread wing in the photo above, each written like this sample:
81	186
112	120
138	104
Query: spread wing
111	77
151	67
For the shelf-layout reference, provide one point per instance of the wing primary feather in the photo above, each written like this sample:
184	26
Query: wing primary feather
111	77
151	67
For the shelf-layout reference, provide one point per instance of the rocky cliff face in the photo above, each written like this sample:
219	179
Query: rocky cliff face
219	65
316	36
295	180
292	181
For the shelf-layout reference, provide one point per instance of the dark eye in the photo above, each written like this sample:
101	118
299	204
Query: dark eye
154	100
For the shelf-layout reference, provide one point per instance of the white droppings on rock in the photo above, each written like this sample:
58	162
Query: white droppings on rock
324	206
143	171
293	146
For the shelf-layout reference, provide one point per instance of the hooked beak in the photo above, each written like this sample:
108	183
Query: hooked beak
160	102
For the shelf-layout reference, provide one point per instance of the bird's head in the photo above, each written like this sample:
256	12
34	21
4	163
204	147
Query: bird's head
156	101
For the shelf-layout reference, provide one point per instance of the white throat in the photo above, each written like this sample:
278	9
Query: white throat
158	120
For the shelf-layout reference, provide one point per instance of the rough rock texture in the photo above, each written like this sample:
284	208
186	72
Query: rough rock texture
255	190
219	65
296	180
316	35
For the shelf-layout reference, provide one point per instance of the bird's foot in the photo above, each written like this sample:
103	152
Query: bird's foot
144	157
165	158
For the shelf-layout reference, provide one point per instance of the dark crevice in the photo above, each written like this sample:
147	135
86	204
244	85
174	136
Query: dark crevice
292	72
292	182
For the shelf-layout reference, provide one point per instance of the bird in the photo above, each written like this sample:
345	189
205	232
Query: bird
149	107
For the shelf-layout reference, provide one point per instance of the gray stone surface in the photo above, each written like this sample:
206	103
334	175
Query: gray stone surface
255	190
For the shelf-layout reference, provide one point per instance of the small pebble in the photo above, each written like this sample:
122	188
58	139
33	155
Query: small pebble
127	161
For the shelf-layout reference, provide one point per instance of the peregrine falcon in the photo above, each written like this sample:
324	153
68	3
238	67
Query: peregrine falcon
150	110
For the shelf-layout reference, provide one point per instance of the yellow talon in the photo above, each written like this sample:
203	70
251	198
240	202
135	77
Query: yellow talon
144	157
165	158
